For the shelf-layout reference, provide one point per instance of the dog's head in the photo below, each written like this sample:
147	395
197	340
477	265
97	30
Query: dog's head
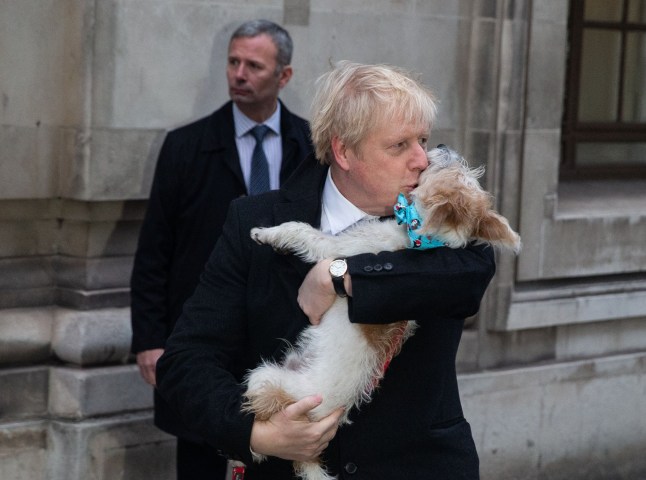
455	208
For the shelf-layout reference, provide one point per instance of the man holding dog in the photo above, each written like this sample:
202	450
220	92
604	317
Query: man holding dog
201	168
370	127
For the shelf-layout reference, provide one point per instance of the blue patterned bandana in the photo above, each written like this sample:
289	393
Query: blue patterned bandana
407	213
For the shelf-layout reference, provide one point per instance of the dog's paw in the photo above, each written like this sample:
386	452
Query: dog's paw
267	236
257	457
257	236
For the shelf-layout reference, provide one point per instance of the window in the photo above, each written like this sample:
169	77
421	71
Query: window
604	127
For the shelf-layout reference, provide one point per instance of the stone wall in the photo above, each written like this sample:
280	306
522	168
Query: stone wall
553	366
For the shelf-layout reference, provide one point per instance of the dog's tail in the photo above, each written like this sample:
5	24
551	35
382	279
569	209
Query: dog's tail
311	471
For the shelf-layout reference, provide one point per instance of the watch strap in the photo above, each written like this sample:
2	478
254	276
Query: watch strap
339	287
338	269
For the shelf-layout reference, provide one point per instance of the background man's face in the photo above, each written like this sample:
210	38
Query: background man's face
251	72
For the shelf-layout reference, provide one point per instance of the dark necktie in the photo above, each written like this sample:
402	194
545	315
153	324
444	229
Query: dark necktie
259	181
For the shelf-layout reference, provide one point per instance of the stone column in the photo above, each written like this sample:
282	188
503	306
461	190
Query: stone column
72	190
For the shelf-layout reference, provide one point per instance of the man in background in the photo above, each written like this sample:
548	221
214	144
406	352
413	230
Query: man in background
250	145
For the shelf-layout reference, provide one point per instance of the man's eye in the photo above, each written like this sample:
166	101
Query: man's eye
423	141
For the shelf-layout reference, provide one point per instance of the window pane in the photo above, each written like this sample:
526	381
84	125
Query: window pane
598	89
634	105
603	10
637	11
610	154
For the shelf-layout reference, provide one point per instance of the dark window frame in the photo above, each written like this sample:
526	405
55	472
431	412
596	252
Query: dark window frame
574	131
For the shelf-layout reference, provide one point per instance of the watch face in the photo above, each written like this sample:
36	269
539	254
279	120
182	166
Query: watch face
338	268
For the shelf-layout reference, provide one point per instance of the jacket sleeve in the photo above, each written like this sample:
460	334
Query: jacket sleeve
153	257
200	371
419	284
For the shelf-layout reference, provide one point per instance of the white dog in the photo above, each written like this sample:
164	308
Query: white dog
344	361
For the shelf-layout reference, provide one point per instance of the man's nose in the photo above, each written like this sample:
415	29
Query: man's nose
419	160
241	71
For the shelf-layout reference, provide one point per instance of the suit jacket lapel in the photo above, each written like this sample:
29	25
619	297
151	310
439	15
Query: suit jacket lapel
302	194
219	140
289	143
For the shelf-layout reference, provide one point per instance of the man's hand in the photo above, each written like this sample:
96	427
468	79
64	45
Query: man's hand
316	294
147	360
290	435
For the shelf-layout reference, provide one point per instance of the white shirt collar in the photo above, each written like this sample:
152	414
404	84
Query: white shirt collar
338	213
243	124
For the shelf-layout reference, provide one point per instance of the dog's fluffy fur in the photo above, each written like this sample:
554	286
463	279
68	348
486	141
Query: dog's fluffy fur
344	361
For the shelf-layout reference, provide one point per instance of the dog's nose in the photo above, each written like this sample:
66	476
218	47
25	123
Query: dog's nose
442	156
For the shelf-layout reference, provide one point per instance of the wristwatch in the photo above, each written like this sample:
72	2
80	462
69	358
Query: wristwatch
338	269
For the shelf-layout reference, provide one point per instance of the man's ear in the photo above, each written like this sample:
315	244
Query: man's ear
285	75
340	151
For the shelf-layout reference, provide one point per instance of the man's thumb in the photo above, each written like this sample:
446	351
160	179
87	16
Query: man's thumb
303	406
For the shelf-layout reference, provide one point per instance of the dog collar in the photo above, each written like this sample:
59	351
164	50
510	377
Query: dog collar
406	213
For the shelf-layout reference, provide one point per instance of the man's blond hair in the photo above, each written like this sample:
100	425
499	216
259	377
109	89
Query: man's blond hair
352	99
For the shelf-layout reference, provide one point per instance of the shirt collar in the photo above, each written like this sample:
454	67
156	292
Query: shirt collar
243	123
338	213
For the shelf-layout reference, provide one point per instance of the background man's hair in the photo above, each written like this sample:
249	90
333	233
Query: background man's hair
278	34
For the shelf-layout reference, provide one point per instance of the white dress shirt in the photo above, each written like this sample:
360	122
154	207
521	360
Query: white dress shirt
338	213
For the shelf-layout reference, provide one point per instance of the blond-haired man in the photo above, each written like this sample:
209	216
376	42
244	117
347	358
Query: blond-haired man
370	127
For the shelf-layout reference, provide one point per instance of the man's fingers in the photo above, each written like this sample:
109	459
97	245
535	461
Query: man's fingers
303	406
147	360
150	376
291	435
337	414
316	294
331	423
314	318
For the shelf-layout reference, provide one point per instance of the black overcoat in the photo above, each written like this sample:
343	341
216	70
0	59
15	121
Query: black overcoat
197	176
245	310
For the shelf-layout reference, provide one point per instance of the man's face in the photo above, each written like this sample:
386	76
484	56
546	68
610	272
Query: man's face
251	74
387	162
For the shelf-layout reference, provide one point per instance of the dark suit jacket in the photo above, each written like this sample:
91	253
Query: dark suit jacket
197	175
245	307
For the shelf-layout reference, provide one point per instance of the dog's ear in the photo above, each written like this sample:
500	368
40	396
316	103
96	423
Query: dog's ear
448	202
494	228
446	211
